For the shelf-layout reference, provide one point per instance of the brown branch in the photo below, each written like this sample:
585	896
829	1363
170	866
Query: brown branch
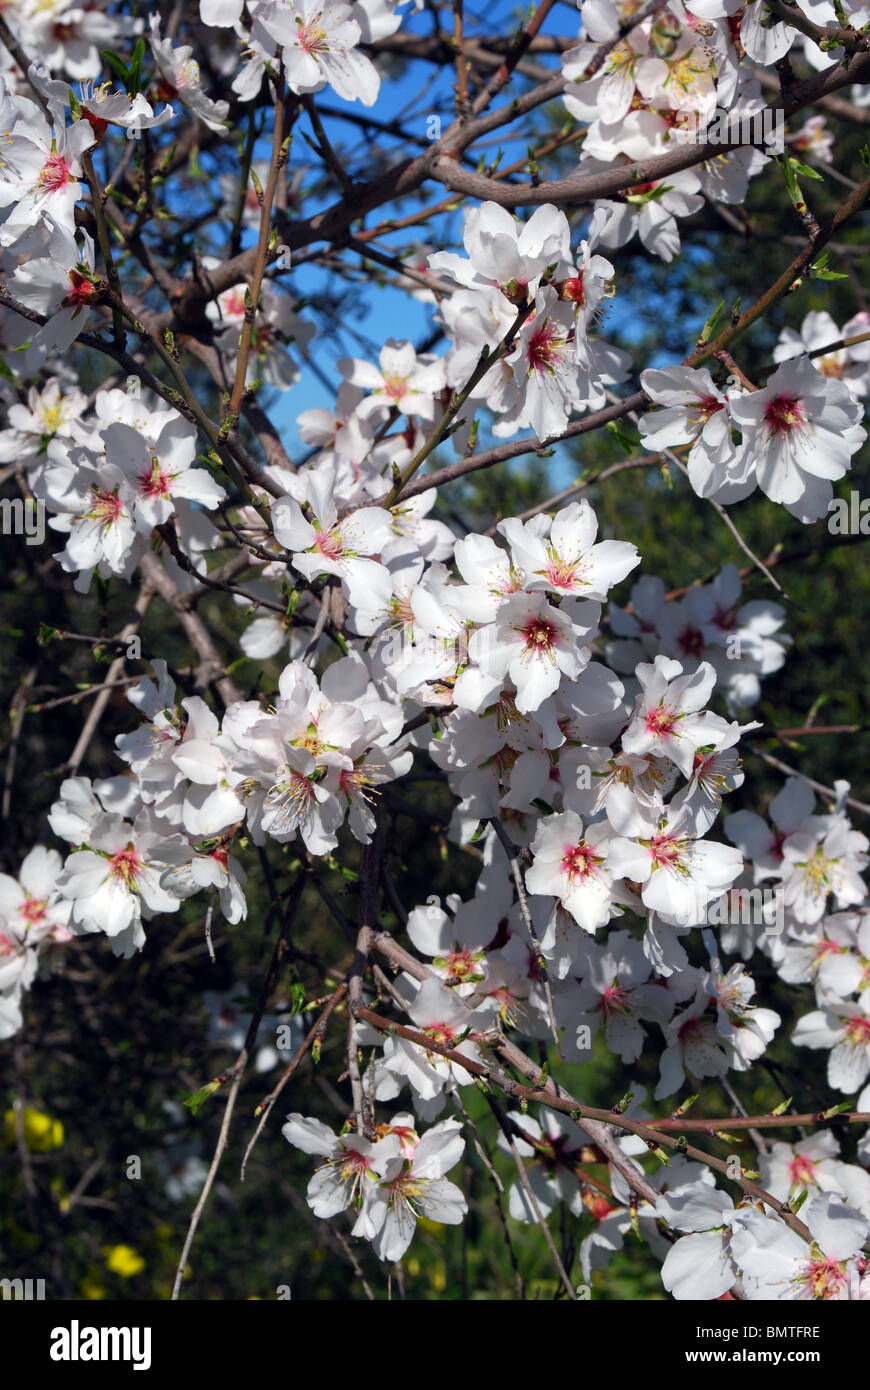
314	1035
502	452
759	1122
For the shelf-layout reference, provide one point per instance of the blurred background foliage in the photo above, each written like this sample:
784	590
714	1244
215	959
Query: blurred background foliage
112	1048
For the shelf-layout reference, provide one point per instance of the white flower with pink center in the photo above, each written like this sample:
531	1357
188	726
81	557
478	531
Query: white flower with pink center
414	1187
59	283
747	1027
810	1163
563	556
693	1045
678	875
440	1015
33	917
488	569
95	507
353	1165
762	846
843	1026
570	864
506	254
669	720
159	471
319	44
30	907
777	1263
327	544
697	412
614	992
544	366
298	798
837	961
813	870
713	776
402	381
455	944
40	173
554	1145
587	285
535	645
116	880
179	77
799	435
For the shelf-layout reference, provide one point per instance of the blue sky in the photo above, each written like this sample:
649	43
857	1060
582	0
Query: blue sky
380	312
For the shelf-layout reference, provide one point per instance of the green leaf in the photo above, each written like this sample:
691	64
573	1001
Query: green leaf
118	66
806	170
686	1105
709	326
46	634
622	437
651	196
297	998
195	1102
837	1109
135	84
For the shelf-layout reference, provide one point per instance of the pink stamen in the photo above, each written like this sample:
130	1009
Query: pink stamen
579	861
55	174
802	1169
546	347
33	911
661	721
784	415
541	637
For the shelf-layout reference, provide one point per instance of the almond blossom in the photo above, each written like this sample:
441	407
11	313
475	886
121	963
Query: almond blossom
60	284
328	544
844	1028
534	644
695	412
353	1165
179	76
572	865
319	39
415	1187
506	254
657	849
669	720
799	434
775	1262
565	558
41	169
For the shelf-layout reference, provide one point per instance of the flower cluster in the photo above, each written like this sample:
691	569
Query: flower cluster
588	744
